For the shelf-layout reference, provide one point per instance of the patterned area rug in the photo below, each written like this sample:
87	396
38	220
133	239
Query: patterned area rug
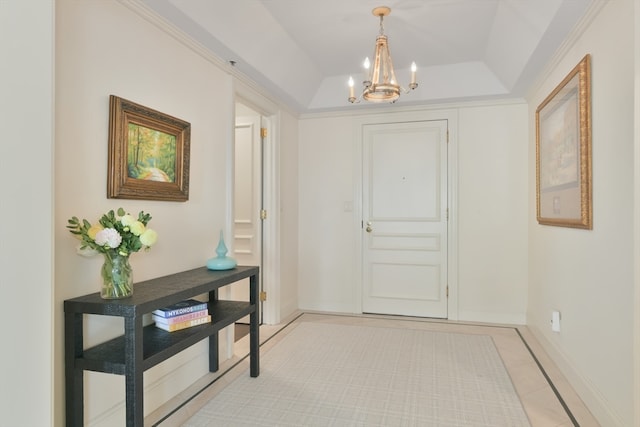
336	375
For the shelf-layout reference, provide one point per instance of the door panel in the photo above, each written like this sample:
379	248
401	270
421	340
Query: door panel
247	191
404	225
247	200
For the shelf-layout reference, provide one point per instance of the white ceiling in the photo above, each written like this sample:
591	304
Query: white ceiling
303	51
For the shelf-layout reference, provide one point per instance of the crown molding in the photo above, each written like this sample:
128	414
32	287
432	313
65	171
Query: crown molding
578	30
149	15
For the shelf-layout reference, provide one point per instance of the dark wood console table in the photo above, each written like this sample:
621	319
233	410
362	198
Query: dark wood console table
142	347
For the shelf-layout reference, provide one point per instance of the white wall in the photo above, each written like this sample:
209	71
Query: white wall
105	48
588	274
492	213
636	232
491	174
326	274
26	226
142	64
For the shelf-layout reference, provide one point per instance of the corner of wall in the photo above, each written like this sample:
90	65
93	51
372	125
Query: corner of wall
588	392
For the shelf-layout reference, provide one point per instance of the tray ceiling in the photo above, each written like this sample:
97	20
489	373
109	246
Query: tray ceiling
303	51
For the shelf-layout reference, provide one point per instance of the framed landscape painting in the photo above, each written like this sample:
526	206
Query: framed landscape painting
563	152
148	153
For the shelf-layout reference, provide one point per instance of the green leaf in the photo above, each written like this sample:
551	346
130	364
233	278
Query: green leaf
144	218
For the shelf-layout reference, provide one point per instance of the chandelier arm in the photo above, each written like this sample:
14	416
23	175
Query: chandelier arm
412	86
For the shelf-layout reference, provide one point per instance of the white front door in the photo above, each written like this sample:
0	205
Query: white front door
404	228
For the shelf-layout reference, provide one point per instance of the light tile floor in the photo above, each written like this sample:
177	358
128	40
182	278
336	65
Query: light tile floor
546	395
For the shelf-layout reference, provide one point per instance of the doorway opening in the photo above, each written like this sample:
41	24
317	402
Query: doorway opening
248	202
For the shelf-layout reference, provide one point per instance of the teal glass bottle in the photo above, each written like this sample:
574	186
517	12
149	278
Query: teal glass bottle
222	261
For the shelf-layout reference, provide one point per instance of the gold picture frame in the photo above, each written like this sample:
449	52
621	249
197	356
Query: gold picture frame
563	152
148	153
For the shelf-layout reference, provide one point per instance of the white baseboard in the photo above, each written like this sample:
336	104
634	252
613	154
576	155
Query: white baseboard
490	317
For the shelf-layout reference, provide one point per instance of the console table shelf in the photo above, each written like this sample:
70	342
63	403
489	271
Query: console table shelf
142	347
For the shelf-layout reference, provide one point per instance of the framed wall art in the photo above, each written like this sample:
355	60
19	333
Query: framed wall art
563	152
148	153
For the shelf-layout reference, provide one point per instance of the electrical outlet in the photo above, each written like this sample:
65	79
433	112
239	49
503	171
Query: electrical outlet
555	321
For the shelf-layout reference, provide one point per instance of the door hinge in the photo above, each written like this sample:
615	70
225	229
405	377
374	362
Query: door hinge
263	296
447	136
263	132
447	214
263	214
447	291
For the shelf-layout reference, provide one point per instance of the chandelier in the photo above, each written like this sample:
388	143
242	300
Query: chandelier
381	84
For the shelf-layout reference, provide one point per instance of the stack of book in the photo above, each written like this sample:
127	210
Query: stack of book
182	315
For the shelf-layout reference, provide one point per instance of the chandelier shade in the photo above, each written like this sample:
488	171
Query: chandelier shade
380	84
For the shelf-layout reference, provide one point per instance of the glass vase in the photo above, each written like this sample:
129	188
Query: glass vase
117	277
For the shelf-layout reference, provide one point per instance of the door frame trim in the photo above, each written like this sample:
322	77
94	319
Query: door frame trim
270	273
451	116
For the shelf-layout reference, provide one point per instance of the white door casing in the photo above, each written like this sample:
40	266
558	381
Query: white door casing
404	218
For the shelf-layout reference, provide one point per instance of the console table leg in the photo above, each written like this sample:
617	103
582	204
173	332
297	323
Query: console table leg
134	378
213	353
213	340
254	345
254	329
74	386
